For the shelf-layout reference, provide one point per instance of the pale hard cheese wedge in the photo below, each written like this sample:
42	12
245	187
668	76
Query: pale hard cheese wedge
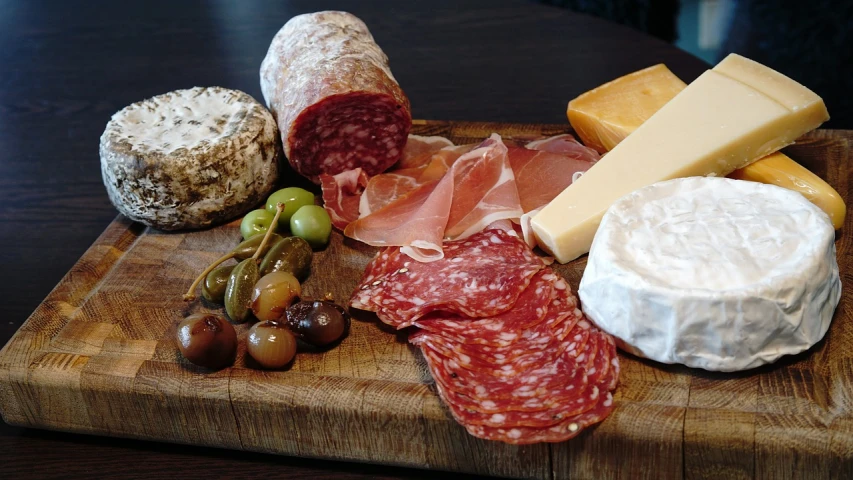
713	273
606	115
714	126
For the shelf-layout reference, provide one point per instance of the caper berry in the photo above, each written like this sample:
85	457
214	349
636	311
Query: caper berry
292	254
238	291
213	288
247	248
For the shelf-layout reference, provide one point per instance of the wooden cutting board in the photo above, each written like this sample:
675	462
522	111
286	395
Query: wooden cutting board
98	357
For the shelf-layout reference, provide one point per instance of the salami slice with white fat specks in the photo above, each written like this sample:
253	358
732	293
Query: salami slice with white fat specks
503	329
606	371
542	340
560	432
519	359
545	381
584	398
330	88
480	276
524	397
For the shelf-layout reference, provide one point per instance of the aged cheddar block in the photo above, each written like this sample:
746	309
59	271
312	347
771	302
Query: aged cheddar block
713	127
604	116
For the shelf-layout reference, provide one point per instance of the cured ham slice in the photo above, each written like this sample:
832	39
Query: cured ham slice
341	195
387	188
418	151
484	190
439	191
541	175
565	144
478	189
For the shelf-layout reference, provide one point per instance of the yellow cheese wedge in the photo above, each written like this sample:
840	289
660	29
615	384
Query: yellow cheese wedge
778	169
713	127
604	116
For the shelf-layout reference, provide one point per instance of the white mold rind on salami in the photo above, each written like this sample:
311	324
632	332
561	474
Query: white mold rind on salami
190	158
331	90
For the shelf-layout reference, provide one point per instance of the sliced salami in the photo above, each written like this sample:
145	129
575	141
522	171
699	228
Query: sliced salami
481	276
519	359
503	329
330	88
559	432
545	382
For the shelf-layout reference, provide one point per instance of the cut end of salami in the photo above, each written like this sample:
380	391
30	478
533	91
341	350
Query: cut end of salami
330	88
349	131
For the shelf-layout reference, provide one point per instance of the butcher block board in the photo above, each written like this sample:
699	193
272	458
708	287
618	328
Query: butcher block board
98	357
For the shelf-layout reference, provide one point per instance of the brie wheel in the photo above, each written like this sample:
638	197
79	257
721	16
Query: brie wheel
713	273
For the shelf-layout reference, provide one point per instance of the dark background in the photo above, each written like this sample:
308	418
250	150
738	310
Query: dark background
66	67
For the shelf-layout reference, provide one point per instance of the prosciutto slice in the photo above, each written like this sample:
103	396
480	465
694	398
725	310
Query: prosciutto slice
440	192
478	189
542	175
565	144
341	195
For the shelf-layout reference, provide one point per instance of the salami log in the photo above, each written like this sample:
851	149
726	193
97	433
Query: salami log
330	89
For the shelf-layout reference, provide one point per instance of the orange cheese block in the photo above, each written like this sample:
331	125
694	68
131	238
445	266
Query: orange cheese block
604	116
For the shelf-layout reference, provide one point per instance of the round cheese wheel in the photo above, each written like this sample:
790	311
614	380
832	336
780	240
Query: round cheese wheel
190	158
713	273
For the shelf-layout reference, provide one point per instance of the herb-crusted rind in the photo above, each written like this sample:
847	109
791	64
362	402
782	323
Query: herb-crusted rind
190	158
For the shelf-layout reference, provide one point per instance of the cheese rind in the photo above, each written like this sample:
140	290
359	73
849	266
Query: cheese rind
714	126
713	273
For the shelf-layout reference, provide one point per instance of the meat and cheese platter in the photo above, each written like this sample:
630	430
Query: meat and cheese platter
653	289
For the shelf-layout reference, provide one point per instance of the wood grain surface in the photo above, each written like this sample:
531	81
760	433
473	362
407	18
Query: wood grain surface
98	356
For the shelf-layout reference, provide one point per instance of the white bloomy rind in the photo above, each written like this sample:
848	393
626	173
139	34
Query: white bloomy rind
190	158
713	273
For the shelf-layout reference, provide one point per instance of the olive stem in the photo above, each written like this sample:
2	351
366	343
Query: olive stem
278	209
190	295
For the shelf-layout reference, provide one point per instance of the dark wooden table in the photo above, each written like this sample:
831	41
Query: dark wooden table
66	67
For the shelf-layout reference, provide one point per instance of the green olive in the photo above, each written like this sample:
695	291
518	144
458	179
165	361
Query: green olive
247	248
293	199
213	288
255	222
312	223
292	254
238	292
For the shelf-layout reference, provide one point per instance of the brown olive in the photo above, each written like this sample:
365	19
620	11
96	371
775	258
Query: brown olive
207	340
271	344
318	322
292	254
273	293
213	288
